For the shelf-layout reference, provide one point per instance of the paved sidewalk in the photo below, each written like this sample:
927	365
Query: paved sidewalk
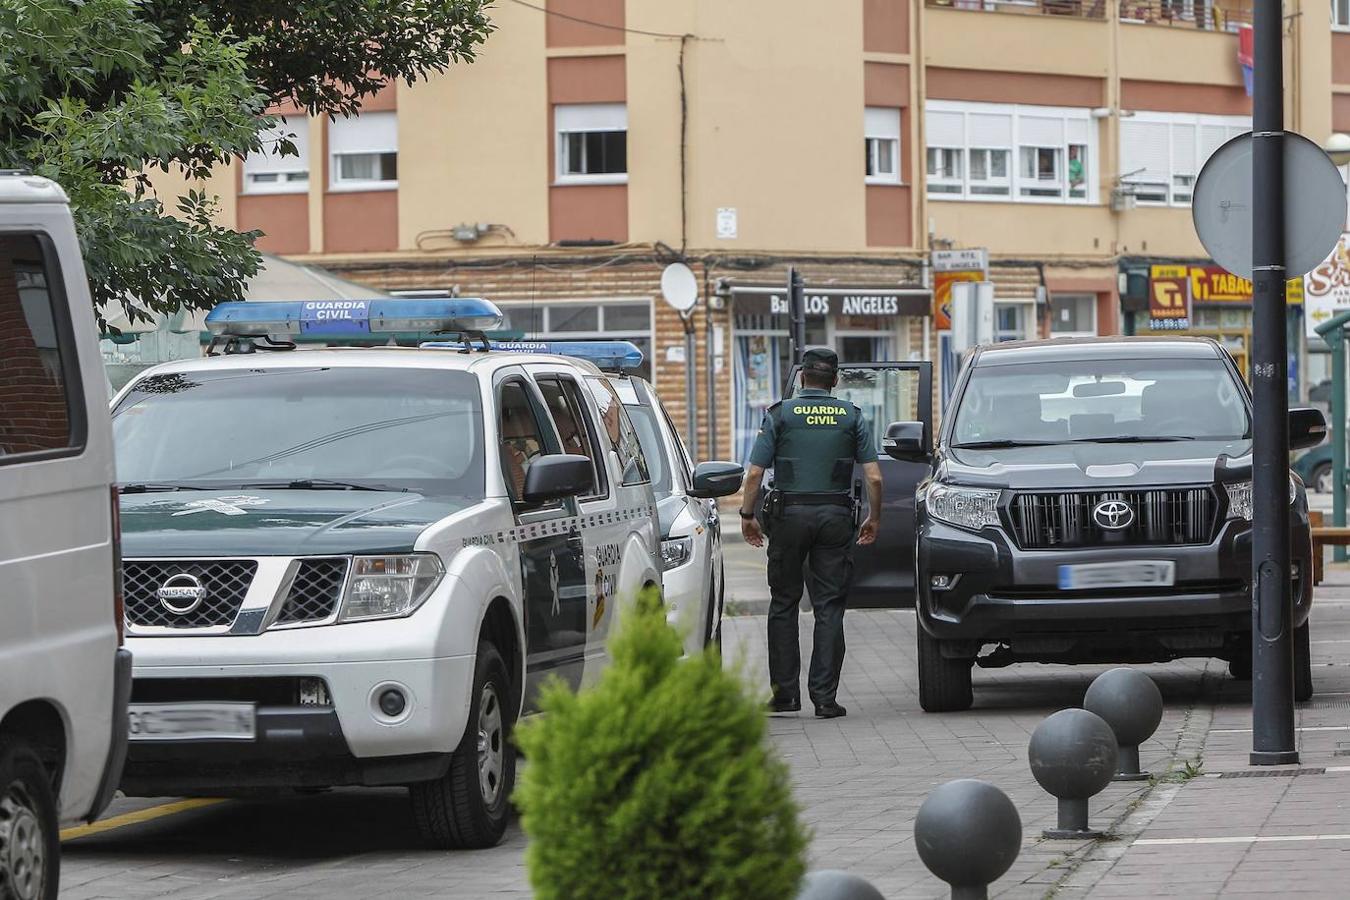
860	781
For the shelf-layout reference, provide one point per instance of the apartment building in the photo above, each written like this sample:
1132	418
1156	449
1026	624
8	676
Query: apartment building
595	141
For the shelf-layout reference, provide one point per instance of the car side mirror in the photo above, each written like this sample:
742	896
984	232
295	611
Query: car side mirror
558	475
716	479
904	441
1307	427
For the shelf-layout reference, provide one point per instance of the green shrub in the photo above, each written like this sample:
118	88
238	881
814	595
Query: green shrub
657	782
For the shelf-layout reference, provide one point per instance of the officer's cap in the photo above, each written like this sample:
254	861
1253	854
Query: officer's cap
820	359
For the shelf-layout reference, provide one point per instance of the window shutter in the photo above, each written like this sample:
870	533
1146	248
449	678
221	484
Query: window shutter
945	129
375	132
1145	151
882	122
990	130
1183	149
590	117
1040	131
1078	130
1211	139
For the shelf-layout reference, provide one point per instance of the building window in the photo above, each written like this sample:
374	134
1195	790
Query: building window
971	150
267	171
1012	319
882	144
1073	315
944	170
608	320
988	172
364	151
1161	153
592	143
1340	14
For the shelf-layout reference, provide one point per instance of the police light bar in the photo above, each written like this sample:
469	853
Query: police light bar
604	354
345	318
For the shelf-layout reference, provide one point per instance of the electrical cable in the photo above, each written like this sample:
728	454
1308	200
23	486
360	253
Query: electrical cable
571	18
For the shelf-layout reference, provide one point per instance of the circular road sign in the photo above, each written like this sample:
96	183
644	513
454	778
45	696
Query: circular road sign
1314	205
680	287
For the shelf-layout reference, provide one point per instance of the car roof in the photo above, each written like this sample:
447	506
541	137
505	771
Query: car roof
625	386
476	362
1072	349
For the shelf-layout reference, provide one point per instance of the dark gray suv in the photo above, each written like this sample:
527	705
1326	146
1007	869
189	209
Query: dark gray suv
1088	501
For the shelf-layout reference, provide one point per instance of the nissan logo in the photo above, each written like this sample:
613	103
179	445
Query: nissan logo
1113	515
181	594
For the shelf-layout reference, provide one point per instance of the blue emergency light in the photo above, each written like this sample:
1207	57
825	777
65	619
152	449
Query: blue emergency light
623	355
352	318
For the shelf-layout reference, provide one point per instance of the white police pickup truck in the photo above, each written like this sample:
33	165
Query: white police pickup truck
355	566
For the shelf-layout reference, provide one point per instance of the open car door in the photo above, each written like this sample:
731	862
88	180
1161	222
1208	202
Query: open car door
886	392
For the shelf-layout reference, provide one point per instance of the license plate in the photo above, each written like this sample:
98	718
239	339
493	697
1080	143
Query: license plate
1136	574
192	722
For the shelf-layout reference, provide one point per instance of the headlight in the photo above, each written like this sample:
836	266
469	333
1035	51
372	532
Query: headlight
386	587
1240	498
964	507
676	552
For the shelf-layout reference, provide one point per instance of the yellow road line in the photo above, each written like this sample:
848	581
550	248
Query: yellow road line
135	818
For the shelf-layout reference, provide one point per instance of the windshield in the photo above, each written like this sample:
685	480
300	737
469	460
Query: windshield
1101	400
649	436
387	429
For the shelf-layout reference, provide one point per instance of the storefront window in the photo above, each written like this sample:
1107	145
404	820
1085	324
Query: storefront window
1011	321
1073	315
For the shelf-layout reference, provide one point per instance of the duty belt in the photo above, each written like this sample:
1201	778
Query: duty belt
816	499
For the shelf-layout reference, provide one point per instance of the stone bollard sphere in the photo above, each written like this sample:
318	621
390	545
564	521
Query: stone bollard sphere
831	884
968	833
1073	754
1129	701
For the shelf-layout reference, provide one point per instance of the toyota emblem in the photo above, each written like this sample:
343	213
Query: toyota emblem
180	594
1113	515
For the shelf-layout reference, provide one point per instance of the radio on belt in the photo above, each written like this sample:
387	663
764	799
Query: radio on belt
345	318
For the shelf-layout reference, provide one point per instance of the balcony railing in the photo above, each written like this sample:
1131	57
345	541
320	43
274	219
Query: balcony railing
1074	9
1184	14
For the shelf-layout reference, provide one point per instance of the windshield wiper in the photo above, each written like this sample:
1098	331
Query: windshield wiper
150	488
1134	439
311	484
1000	444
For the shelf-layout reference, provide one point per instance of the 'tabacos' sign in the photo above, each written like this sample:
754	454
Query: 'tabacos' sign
335	316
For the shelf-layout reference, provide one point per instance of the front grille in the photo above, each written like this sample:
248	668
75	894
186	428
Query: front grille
315	592
1161	516
226	581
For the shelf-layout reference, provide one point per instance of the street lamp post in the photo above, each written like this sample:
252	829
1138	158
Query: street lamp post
1272	616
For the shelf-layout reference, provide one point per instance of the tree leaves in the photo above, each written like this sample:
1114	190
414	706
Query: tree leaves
94	94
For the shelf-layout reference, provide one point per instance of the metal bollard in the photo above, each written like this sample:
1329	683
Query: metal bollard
1132	705
1073	756
832	884
968	834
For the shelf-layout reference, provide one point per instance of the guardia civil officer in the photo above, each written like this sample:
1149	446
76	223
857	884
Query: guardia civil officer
812	441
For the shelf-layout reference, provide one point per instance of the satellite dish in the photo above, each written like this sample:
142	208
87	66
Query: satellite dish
1314	205
679	287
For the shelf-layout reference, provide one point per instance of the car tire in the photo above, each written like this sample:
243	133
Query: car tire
30	842
1320	478
468	807
1303	680
944	683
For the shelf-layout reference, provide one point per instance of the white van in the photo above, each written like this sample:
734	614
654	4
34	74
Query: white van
64	677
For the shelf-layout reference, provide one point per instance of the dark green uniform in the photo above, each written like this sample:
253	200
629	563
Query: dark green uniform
811	441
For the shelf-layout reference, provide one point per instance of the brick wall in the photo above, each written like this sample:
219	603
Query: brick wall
33	413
